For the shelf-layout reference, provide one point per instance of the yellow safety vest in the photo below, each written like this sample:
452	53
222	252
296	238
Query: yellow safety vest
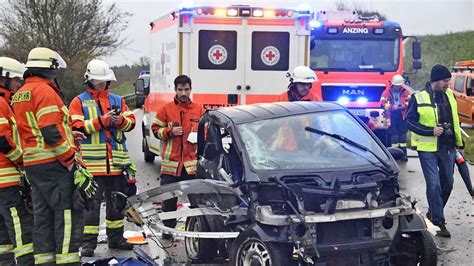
428	117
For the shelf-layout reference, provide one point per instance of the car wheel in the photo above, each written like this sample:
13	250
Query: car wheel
199	249
148	155
249	249
417	248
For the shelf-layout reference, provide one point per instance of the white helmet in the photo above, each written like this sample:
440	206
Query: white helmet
41	57
99	70
398	80
303	74
11	68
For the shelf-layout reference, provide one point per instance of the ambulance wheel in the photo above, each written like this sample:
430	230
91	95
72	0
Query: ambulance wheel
148	155
199	249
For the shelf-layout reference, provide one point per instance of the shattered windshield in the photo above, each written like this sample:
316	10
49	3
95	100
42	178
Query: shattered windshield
283	143
354	54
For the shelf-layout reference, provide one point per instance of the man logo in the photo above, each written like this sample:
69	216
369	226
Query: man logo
356	30
353	92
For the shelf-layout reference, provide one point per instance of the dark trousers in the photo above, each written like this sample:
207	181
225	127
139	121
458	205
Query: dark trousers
57	227
113	218
170	205
398	131
16	229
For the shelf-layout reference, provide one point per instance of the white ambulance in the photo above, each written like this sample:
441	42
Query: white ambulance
234	55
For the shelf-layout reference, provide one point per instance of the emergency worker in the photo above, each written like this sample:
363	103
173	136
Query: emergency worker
104	117
176	124
299	89
289	134
50	164
436	133
16	224
395	102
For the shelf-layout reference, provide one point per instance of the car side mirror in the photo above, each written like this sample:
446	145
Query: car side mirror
396	153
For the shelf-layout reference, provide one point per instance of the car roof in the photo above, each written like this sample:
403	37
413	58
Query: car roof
261	111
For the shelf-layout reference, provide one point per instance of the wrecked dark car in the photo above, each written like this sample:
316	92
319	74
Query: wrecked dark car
288	183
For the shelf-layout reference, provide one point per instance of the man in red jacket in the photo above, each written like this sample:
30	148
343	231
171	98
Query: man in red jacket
16	224
50	161
395	102
104	117
176	125
299	89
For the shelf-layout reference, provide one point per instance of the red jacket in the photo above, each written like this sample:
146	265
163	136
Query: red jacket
43	123
94	126
10	150
387	101
283	97
177	151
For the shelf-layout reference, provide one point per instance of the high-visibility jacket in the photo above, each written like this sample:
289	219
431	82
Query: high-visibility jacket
388	102
43	123
429	117
283	97
104	151
10	149
177	151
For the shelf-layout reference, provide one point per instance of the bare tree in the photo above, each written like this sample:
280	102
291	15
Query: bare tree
79	30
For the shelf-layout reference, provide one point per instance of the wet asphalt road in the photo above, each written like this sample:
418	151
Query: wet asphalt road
457	250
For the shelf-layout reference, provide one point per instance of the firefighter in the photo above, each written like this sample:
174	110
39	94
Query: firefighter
16	223
394	100
104	117
176	124
49	160
299	89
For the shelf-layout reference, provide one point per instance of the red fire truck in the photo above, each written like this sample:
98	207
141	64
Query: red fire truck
355	58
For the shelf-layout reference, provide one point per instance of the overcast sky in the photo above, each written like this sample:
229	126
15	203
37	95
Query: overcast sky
414	16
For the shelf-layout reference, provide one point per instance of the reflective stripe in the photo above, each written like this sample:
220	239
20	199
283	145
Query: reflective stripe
30	117
23	250
403	144
161	133
91	229
114	224
169	148
15	153
44	258
67	231
46	110
16	226
77	117
159	122
67	258
5	249
66	127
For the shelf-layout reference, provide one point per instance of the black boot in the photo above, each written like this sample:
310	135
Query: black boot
443	232
122	245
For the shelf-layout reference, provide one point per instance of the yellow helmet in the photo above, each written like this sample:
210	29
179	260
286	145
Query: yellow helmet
41	57
11	68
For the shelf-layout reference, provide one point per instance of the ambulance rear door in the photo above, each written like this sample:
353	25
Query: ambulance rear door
273	48
216	60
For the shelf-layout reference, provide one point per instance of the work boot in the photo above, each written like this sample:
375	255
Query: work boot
87	252
443	232
122	245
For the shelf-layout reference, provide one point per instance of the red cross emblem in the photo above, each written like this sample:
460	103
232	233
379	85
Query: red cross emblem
270	55
217	54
